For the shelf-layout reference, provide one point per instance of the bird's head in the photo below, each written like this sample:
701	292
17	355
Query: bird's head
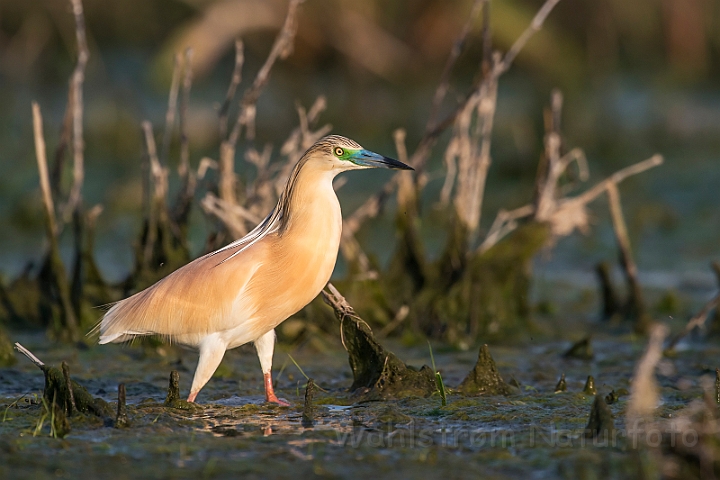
340	154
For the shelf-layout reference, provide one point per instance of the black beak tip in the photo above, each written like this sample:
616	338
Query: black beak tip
392	163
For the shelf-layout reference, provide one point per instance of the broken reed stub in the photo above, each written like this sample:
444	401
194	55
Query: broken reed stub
717	385
70	405
484	378
308	415
173	399
581	349
561	385
59	423
601	423
65	392
173	393
121	419
610	299
378	374
614	395
590	386
75	397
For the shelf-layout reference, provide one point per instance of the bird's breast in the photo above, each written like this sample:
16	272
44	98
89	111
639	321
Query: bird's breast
299	263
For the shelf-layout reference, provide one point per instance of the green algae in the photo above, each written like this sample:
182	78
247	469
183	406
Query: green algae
22	303
614	395
601	422
308	413
582	349
485	296
173	400
391	415
7	354
589	387
377	372
485	378
69	395
533	433
56	418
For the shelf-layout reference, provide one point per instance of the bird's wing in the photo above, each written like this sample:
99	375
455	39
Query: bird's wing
197	299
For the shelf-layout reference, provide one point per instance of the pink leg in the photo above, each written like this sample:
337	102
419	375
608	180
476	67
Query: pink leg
191	397
270	392
265	345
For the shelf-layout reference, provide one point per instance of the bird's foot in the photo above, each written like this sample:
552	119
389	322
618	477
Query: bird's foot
280	401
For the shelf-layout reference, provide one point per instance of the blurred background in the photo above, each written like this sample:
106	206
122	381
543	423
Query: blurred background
638	77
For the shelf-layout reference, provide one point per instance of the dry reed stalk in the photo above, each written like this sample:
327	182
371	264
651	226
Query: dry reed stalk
635	300
184	166
505	222
549	169
55	261
300	139
400	317
433	129
157	209
610	298
188	178
73	209
40	154
566	213
410	186
233	216
470	146
76	87
235	80
282	47
617	177
481	98
406	194
455	51
472	139
56	170
697	320
644	391
262	194
171	108
30	356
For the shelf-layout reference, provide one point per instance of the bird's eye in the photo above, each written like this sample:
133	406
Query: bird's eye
339	151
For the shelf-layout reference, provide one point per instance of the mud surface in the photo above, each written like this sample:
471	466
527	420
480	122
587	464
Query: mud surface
533	433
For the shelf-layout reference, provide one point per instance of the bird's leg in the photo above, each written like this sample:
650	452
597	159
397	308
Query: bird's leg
212	349
270	392
265	346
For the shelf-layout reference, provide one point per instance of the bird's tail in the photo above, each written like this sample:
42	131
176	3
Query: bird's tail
110	329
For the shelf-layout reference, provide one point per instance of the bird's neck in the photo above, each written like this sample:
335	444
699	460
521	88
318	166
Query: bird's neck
310	201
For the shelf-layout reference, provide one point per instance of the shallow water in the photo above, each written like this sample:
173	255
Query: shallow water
534	434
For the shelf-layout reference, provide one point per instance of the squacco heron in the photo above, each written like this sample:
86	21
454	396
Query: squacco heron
241	292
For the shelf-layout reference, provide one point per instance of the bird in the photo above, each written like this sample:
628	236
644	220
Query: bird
241	292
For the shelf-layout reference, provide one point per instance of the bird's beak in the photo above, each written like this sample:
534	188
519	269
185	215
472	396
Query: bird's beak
366	158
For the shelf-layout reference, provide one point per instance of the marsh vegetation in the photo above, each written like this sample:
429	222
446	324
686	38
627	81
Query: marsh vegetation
515	382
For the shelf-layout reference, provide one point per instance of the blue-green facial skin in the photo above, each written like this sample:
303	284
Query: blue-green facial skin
366	158
347	154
